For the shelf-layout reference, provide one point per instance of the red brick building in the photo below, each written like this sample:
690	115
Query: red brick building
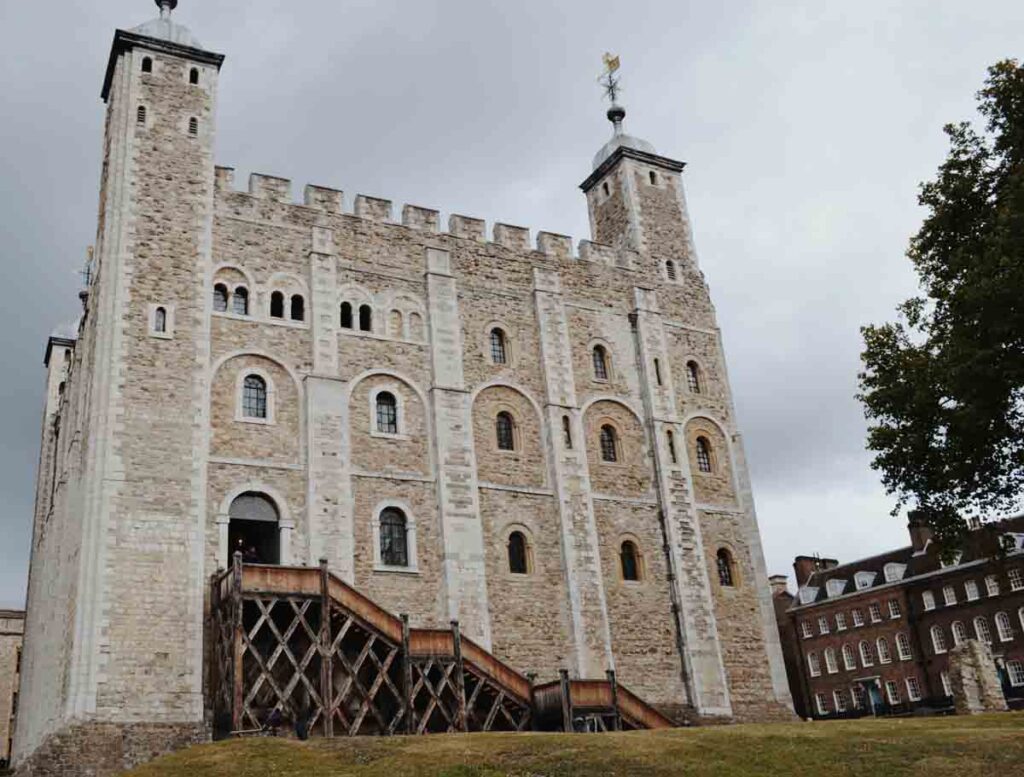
872	636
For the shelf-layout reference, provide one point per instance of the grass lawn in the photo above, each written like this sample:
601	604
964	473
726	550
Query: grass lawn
982	745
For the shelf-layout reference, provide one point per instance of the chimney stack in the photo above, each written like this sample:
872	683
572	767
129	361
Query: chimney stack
805	566
779	584
920	532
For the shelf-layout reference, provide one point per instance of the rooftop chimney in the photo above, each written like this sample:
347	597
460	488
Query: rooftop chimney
920	532
779	584
805	566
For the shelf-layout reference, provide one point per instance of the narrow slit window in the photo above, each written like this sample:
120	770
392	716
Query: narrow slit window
277	305
193	76
609	444
499	350
160	321
567	432
671	446
365	318
147	65
654	178
657	371
346	315
600	362
670	270
298	308
630	559
693	380
140	115
193	126
394	543
505	430
725	573
387	413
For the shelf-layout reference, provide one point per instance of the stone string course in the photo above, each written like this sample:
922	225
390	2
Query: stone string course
143	448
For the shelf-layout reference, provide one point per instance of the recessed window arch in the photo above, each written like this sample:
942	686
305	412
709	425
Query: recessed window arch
601	363
160	320
298	310
394	537
254	529
386	405
193	76
277	305
254	397
220	298
140	115
705	459
670	269
147	64
505	431
609	443
519	553
499	346
240	301
1003	627
694	379
630	562
884	654
415	326
982	631
849	658
726	568
365	318
346	315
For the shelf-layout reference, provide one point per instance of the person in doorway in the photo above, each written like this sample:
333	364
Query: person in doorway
250	555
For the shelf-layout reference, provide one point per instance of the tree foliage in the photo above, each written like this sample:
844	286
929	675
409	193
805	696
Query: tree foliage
943	387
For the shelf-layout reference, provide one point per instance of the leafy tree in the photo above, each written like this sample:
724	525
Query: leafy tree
943	387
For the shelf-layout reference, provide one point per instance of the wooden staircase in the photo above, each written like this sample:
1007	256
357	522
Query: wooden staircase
300	641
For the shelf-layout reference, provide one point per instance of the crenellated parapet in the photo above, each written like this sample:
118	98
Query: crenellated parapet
332	201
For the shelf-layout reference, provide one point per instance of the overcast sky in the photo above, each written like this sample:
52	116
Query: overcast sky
806	130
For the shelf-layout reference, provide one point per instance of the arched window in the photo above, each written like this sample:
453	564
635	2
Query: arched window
240	301
657	371
959	633
504	428
567	432
903	647
499	353
160	320
193	126
704	455
607	191
654	178
193	76
600	362
609	444
849	658
277	305
140	115
671	446
365	318
831	666
387	413
254	397
630	558
220	298
670	270
1020	617
147	65
1003	627
395	324
884	656
415	326
254	529
693	381
982	630
724	562
938	639
866	658
346	315
298	308
518	561
394	543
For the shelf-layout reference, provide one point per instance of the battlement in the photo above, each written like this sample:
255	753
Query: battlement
376	209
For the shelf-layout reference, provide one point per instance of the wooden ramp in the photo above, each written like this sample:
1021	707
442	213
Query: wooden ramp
299	641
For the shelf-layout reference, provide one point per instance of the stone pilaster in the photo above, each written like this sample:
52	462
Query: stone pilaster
697	629
571	477
458	499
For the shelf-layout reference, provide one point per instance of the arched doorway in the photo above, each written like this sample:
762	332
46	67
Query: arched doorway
254	529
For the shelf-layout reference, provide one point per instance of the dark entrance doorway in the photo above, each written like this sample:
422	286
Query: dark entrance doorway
254	530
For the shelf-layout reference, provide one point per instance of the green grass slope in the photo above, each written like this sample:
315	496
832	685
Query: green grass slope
984	745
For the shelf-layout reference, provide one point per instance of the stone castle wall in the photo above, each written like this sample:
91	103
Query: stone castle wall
11	633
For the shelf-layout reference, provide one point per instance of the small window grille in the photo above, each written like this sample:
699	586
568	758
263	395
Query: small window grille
498	350
806	629
670	270
600	363
140	115
724	562
693	377
387	413
703	455
609	444
193	126
505	431
820	701
254	397
859	696
840	621
884	656
947	686
394	548
630	561
949	594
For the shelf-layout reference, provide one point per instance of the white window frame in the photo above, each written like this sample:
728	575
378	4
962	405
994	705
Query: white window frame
992	585
831	665
1015	673
867	658
947	686
983	634
1016	577
894	609
839	700
893	571
858	696
884	656
858	617
268	381
1004	627
813	665
939	644
928	600
892	692
835	587
863	580
394	390
903	649
410	538
807	593
949	595
849	657
959	636
875	612
971	590
840	621
806	629
823	627
822	703
913	689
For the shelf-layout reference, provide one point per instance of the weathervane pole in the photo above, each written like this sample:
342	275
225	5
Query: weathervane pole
166	6
616	113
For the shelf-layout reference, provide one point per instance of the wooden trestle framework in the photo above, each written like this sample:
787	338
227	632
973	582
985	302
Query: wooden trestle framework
300	641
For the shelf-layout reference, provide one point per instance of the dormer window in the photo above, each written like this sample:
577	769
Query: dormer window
894	572
808	594
864	580
835	587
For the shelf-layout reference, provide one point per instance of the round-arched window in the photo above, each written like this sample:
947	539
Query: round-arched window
518	555
725	568
394	542
504	428
629	557
609	444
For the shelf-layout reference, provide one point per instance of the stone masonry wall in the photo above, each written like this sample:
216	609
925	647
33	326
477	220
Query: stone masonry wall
11	632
